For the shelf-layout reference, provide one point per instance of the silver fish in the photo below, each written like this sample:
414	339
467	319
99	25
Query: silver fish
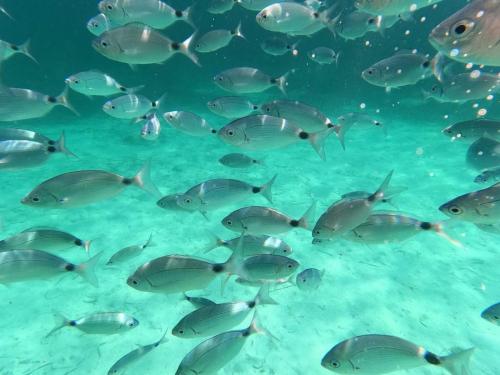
256	5
76	189
95	82
232	106
309	279
216	318
346	214
23	104
21	265
399	70
140	44
245	80
312	29
217	193
263	132
7	134
253	245
356	119
153	13
471	35
151	129
492	314
392	7
189	123
198	302
473	129
279	46
103	323
214	353
324	56
382	354
484	153
129	252
169	202
99	24
7	50
217	39
356	24
479	207
489	175
43	238
287	17
237	160
263	267
120	366
129	106
264	220
220	6
464	87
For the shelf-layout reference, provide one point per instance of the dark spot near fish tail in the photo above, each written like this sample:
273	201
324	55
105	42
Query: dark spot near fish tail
78	242
255	107
254	161
72	323
256	190
213	131
432	358
14	47
128	181
425	225
316	15
51	142
303	135
251	304
246	333
294	223
178	13
123	88
217	268
330	125
69	267
51	99
51	149
175	46
426	64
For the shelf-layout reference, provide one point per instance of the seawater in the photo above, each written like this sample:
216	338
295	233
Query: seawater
424	289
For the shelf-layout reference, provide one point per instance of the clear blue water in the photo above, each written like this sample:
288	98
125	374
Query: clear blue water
424	289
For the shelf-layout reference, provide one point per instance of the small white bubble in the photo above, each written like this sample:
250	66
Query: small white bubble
431	174
362	106
475	73
399	71
480	14
467	91
419	151
414	51
407	32
367	43
413	7
434	6
422	19
469	65
475	105
480	153
489	97
446	117
454	52
482	112
377	110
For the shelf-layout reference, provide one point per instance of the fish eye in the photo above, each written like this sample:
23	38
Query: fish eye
76	81
289	265
462	28
371	21
229	222
104	44
230	133
187	200
455	210
335	364
35	199
220	78
317	231
370	71
112	107
181	331
109	6
134	282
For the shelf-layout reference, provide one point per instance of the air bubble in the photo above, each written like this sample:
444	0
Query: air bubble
475	73
419	151
482	112
454	52
362	106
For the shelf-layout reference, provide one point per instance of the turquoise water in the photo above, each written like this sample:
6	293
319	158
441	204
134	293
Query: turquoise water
425	289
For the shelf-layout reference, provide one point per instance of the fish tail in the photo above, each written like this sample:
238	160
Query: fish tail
238	32
184	48
62	99
306	220
86	246
87	269
381	192
143	180
149	242
163	339
263	297
282	82
233	264
61	146
437	66
256	327
2	9
61	322
439	229
132	90
317	141
25	50
214	243
337	57
457	363
187	15
340	131
266	191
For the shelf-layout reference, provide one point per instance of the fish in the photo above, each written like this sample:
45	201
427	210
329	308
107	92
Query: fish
120	367
22	104
97	83
130	106
189	123
80	188
392	7
129	252
324	56
483	153
43	238
216	318
473	129
287	17
151	129
263	132
237	160
216	39
102	323
246	80
479	207
346	214
355	24
7	50
99	24
464	87
310	30
256	5
140	44
470	35
382	354
214	353
174	274
7	134
357	119
488	175
259	220
399	70
218	193
492	314
169	202
390	193
154	13
253	245
309	279
220	6
198	302
279	46
232	106
27	264
23	153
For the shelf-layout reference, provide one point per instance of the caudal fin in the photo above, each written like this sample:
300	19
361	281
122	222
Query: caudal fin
256	327
2	9
306	220
214	243
61	146
187	16
184	48
87	269
25	50
237	32
86	246
339	131
439	229
381	192
266	189
143	180
62	99
317	141
132	90
263	297
149	242
61	322
437	66
458	363
282	82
